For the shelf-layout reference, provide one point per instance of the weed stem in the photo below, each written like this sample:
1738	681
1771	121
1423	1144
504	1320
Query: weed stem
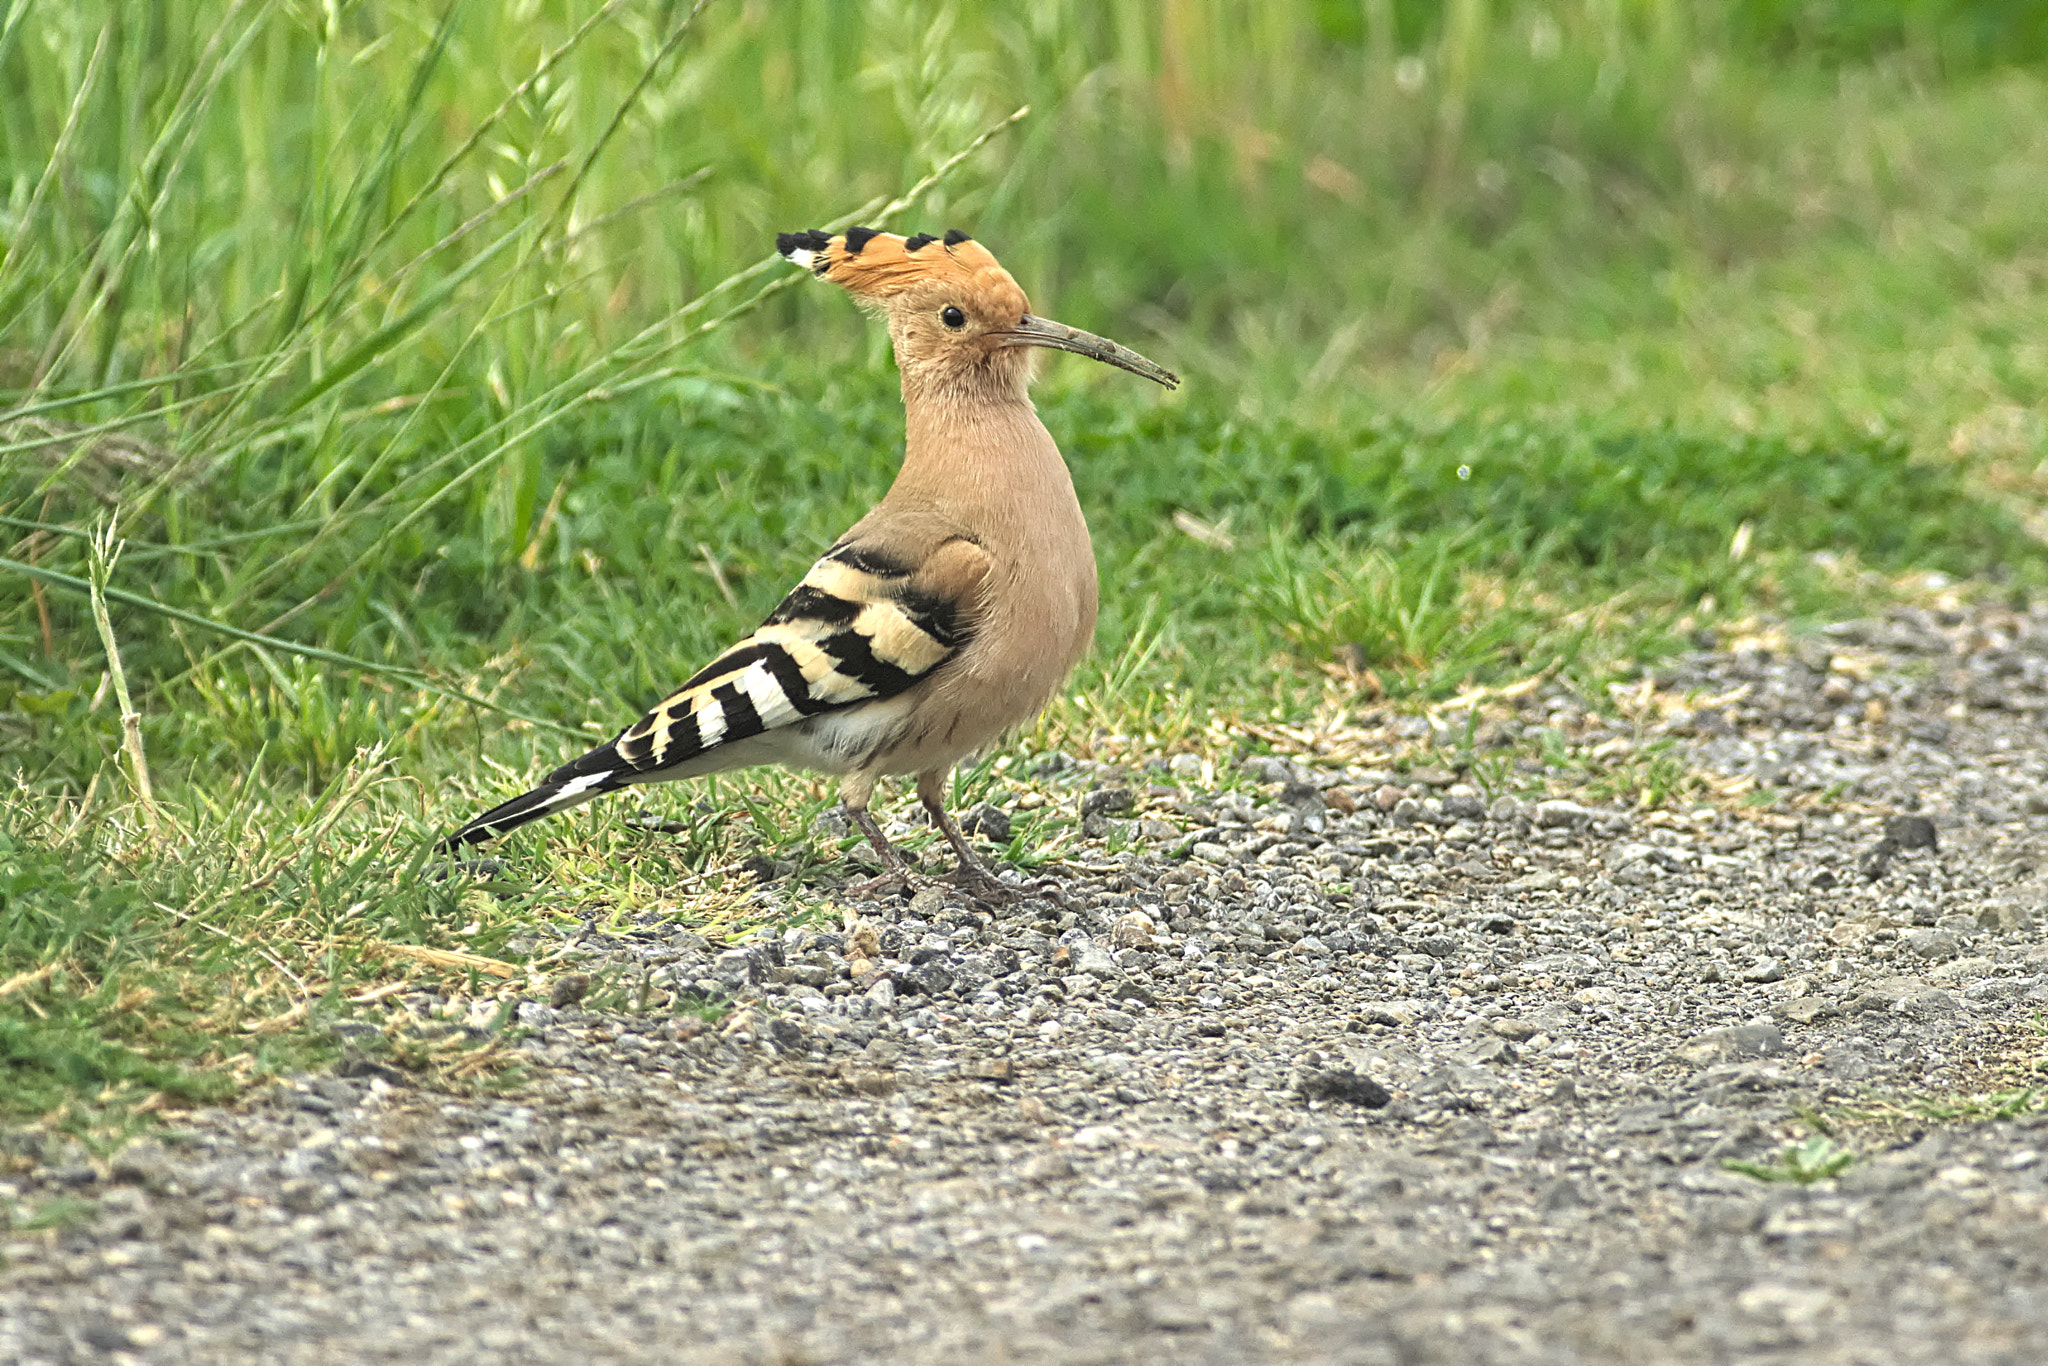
105	551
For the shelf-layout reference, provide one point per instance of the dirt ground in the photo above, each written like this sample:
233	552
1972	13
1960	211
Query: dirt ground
1355	1066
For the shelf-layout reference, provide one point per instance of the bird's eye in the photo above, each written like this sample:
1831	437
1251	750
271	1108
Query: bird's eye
952	317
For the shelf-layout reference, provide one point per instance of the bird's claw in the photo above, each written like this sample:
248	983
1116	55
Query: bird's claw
982	885
971	877
899	883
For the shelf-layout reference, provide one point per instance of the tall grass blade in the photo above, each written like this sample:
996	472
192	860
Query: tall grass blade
25	224
412	678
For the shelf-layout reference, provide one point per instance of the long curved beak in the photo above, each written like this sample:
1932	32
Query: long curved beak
1033	331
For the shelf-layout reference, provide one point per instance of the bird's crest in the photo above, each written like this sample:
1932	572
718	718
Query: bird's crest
880	265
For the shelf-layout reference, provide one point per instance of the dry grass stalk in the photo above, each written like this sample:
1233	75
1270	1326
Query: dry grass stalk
105	551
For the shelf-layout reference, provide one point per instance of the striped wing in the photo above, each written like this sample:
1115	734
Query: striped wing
856	630
853	631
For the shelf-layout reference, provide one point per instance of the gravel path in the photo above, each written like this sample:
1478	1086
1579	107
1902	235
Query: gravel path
1350	1065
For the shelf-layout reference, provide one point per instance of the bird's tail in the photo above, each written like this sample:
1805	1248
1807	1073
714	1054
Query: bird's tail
602	770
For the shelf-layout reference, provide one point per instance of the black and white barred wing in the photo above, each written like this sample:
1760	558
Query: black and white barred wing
858	631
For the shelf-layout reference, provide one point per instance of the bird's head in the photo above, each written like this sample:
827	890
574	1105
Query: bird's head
957	318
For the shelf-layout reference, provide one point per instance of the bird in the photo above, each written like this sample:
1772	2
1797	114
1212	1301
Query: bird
947	616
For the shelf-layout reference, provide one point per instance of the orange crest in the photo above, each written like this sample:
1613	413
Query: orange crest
880	265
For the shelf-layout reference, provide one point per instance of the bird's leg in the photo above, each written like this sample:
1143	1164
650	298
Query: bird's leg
972	871
855	791
892	858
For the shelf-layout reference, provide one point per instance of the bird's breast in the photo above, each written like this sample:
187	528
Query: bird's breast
1037	624
1001	484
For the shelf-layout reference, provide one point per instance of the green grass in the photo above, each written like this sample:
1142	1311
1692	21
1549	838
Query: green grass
2007	1085
1814	1159
435	352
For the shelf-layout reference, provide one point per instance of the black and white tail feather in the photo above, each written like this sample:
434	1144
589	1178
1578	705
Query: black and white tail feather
811	687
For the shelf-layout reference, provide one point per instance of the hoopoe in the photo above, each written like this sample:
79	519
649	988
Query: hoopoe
946	616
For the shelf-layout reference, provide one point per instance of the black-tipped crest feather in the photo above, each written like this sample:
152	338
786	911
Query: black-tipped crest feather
789	243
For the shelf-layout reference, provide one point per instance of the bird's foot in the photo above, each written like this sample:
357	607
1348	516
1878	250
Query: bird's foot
1049	887
983	886
971	878
980	882
889	885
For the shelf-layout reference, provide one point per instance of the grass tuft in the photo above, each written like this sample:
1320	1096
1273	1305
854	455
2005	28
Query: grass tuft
1815	1159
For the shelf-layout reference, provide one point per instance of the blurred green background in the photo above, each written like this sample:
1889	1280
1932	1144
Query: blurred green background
436	344
441	335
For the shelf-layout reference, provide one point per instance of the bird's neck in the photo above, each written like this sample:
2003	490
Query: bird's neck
979	444
979	449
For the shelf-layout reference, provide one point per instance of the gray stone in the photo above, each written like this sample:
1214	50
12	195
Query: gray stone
740	967
1933	943
1264	768
991	823
1926	1004
933	977
1564	1194
1731	1041
1561	815
1806	1009
1886	993
1910	832
1108	801
1303	797
568	988
1491	1050
1464	803
1345	1086
2009	913
1091	958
